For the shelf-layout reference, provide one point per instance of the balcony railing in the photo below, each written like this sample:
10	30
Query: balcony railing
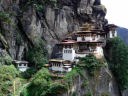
85	51
91	39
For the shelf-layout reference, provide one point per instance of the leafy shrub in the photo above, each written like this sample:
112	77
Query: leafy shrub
24	92
28	73
90	63
37	55
55	89
41	76
69	77
4	17
89	94
5	59
8	72
7	75
40	83
85	83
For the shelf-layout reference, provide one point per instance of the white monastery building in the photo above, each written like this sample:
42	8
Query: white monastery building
60	65
88	40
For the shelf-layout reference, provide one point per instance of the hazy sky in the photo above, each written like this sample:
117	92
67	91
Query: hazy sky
117	12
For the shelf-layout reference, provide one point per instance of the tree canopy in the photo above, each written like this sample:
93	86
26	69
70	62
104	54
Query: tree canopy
7	75
118	60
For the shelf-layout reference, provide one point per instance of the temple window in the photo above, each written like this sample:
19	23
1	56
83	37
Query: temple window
20	64
93	38
113	34
83	39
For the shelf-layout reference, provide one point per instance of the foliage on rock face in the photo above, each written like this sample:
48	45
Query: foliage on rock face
56	88
90	63
118	60
5	59
4	17
8	71
37	56
70	77
7	74
29	73
42	85
40	4
42	75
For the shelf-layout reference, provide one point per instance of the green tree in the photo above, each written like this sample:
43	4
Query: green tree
5	59
37	55
40	83
90	63
7	75
118	60
28	73
8	72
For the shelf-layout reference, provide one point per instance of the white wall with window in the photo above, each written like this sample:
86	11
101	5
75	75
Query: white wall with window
88	38
68	54
84	38
22	67
57	66
112	34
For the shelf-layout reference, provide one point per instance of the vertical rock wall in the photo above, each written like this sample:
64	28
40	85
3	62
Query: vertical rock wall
102	84
29	25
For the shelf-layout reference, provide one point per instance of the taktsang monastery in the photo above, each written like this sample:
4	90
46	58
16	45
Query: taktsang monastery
88	40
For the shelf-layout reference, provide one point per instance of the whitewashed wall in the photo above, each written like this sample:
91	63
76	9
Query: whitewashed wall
68	56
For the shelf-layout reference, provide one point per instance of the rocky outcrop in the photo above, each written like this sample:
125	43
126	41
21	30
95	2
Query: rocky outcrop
24	23
30	22
102	84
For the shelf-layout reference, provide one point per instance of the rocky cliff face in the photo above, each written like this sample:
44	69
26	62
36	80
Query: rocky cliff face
25	23
102	84
29	21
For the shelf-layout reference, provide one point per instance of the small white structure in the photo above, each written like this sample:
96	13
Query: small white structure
68	51
111	28
21	65
60	65
112	34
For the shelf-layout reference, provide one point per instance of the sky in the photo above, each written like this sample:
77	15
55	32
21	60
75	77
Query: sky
117	12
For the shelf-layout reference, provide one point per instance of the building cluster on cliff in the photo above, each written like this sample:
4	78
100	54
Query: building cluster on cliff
87	40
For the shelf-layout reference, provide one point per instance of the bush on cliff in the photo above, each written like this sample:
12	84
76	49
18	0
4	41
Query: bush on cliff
42	85
91	64
7	75
38	55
